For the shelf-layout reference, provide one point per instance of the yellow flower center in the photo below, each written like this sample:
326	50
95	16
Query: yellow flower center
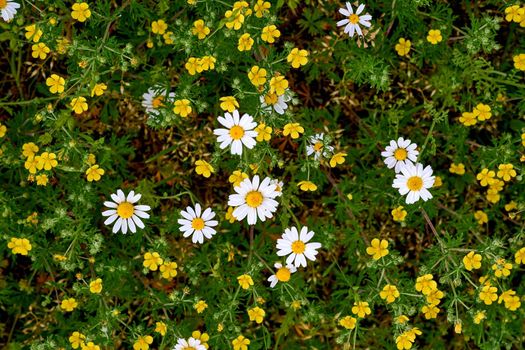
298	247
270	99
254	199
353	18
400	154
3	4
415	183
318	146
236	132
188	348
283	274
157	101
125	210
197	224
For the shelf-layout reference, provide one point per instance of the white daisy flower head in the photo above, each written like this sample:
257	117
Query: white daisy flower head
278	103
8	9
296	246
278	186
282	274
198	224
156	98
125	213
399	153
318	147
190	344
354	19
254	199
239	131
415	181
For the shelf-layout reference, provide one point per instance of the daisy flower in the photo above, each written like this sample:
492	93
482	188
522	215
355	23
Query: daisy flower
317	147
283	274
190	344
354	19
296	246
125	212
197	224
254	199
277	102
278	186
8	9
400	152
238	132
415	181
154	99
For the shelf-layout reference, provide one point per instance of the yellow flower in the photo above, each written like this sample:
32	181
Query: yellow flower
182	107
261	7
193	66
3	130
438	182
68	305
479	316
519	257
240	343
203	337
32	32
519	61
256	314
42	180
501	268
297	58
472	261
361	309
81	11
243	7
506	172
348	322
56	84
278	84
77	339
404	341
430	311
458	327
245	42
434	297
79	105
378	248
231	219
512	301
481	217
235	19
229	103
257	76
200	29
245	281
160	327
203	168
46	161
514	13
237	177
457	168
31	164
98	89
468	118
94	173
90	346
399	214
207	62
270	33
152	261
425	284
95	286
510	206
168	270
264	133
389	293
497	185
293	129
486	177
338	158
488	294
403	47
402	319
40	50
62	45
200	306
143	342
482	111
159	27
434	36
307	186
20	246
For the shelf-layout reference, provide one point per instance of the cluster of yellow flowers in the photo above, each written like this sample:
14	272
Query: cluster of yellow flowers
44	161
488	178
198	65
426	285
153	262
480	113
